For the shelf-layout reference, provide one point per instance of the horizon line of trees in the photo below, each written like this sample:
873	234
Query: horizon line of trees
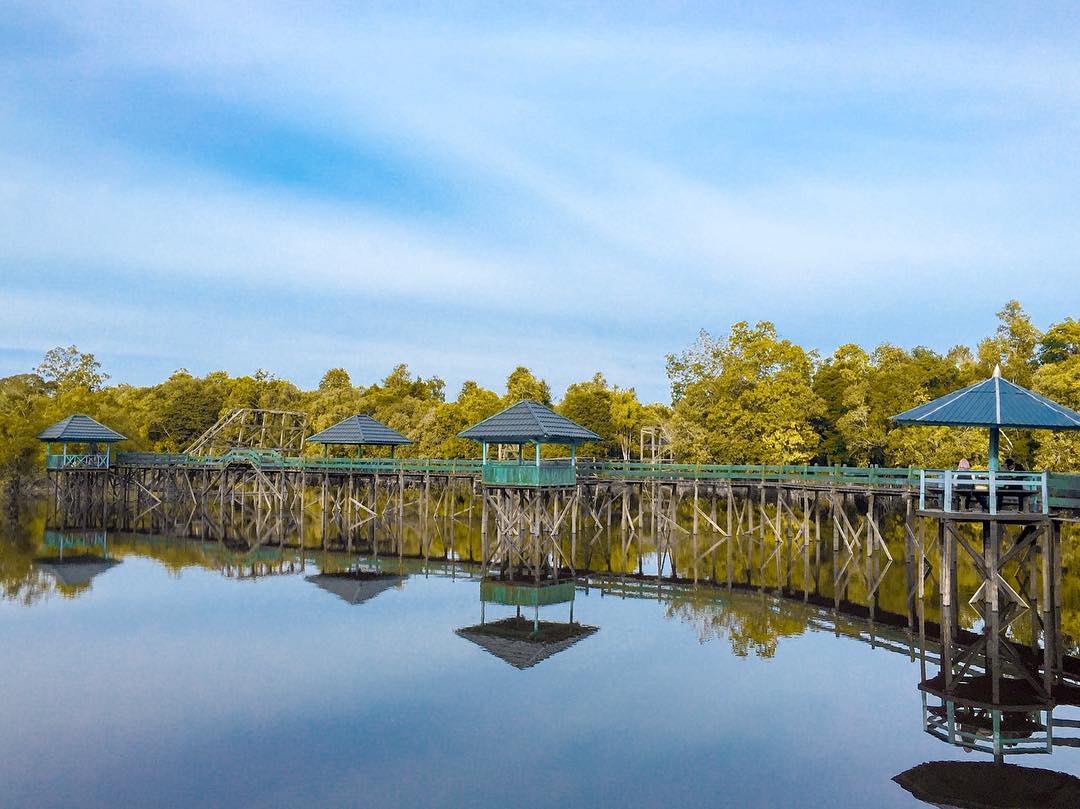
749	396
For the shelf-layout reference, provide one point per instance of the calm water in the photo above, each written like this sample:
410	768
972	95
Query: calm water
161	681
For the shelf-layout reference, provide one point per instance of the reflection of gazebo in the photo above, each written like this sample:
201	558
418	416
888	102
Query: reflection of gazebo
529	423
990	696
75	571
982	785
523	643
355	587
519	641
360	431
78	430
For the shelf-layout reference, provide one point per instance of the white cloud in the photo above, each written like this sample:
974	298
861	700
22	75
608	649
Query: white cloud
604	176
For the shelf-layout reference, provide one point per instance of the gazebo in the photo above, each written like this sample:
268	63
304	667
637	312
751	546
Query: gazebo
524	423
81	431
523	643
994	403
360	431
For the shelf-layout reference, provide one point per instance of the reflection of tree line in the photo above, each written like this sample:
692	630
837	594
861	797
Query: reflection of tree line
750	624
21	581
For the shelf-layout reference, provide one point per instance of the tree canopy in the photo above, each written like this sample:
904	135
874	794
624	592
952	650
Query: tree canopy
747	396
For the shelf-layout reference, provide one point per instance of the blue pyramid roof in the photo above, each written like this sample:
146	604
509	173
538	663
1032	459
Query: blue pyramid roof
526	422
80	430
359	430
994	402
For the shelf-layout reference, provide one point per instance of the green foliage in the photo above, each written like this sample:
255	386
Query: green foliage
1013	347
847	367
442	424
65	369
1061	342
590	405
613	413
183	408
889	381
523	384
1059	379
404	402
746	397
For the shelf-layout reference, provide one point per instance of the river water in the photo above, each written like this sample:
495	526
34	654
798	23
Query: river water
161	671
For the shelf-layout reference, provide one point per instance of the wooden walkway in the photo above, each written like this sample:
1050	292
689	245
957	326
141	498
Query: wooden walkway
1058	491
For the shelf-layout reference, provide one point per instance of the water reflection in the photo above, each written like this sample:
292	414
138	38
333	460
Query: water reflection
74	572
520	640
976	695
986	692
980	785
357	585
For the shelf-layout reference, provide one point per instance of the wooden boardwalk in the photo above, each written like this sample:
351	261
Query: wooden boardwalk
1062	490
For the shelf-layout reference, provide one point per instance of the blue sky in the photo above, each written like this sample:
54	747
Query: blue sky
574	188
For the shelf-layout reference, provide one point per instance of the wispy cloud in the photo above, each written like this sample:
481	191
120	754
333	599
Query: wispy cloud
599	189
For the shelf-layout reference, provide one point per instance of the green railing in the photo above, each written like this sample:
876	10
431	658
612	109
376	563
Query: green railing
903	477
513	473
1062	490
517	594
86	460
270	459
967	490
435	466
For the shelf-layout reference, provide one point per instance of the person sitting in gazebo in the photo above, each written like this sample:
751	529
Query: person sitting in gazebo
1014	466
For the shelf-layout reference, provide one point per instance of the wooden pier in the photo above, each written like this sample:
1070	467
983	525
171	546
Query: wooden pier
546	523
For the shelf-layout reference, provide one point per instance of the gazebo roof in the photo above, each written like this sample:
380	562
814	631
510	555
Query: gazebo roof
526	422
513	641
353	588
360	429
79	429
994	402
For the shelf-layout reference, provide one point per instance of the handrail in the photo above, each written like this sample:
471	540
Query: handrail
954	490
873	475
83	460
1048	489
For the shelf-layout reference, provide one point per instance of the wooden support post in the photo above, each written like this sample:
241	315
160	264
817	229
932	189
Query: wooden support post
694	535
484	558
730	532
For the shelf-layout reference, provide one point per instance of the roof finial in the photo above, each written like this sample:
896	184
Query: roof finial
997	371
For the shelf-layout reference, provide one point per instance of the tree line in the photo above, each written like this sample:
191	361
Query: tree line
748	396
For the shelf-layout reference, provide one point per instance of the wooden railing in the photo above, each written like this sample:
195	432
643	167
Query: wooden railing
270	460
1040	491
547	473
967	490
876	476
87	460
